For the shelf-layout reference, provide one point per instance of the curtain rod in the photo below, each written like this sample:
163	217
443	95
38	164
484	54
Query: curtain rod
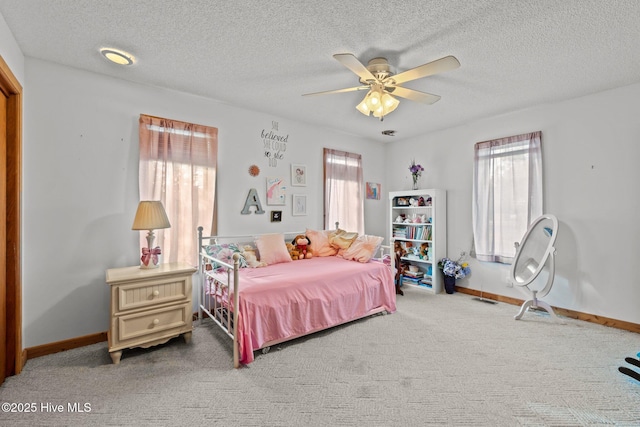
180	121
157	117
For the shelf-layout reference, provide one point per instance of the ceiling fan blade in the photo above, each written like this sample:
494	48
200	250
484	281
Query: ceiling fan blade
352	63
438	66
349	89
413	95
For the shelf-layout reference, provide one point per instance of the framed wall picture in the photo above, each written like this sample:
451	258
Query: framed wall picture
298	175
276	191
373	191
299	204
276	216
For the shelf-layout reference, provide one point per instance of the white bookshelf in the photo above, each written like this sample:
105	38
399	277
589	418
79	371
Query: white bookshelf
418	219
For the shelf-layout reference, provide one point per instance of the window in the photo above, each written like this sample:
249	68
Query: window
343	187
507	194
178	167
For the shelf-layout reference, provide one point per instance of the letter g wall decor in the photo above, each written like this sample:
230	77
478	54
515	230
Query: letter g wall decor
252	200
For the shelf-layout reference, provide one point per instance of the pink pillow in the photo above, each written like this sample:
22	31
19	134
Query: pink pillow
320	243
363	248
272	248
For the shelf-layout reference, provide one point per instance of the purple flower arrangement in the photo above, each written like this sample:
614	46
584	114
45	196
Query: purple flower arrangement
416	171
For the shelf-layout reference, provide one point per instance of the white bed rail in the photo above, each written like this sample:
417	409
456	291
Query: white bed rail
216	287
212	300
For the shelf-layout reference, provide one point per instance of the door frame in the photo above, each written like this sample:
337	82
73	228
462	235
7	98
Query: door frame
15	356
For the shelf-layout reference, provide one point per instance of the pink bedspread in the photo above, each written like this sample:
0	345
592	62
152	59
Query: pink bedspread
292	299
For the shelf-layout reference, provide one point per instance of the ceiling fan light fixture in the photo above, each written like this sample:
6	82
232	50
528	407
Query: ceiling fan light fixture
378	103
389	103
118	56
373	99
363	108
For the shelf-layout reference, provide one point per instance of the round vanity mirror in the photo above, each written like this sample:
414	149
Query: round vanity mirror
532	254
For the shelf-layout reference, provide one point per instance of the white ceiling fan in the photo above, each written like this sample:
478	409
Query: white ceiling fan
383	86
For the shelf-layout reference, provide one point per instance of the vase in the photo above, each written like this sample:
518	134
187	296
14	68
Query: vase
449	284
415	183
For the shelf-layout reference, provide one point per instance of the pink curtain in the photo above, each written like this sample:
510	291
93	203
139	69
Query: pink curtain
178	167
507	194
343	191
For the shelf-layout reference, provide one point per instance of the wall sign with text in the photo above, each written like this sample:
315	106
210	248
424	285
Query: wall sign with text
274	144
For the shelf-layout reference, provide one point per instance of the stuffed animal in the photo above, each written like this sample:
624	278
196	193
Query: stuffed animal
423	250
302	242
249	254
293	251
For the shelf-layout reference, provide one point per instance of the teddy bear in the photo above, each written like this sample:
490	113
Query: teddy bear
423	250
249	254
293	251
301	243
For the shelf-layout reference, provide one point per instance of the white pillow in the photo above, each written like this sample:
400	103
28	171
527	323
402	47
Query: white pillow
272	248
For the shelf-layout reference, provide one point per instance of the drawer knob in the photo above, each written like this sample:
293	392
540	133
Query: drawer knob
156	293
156	321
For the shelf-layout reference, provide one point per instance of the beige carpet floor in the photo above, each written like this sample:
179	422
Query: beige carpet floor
441	360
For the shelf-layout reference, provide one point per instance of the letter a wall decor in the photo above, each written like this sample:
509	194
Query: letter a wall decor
252	200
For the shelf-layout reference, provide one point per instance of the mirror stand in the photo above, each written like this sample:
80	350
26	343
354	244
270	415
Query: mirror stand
535	303
534	252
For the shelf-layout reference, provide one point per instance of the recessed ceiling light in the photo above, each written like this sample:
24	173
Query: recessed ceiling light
117	56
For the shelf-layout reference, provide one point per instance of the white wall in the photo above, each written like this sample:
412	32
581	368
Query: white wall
10	51
591	152
81	185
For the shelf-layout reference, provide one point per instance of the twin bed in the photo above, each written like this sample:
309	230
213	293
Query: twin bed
258	305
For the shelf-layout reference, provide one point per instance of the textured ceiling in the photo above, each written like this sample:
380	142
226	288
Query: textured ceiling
263	55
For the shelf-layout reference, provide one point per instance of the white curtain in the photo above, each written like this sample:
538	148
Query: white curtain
343	191
178	167
507	194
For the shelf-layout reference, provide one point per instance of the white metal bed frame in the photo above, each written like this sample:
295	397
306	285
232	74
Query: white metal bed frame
227	319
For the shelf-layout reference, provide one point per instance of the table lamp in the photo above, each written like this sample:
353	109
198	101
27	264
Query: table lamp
150	216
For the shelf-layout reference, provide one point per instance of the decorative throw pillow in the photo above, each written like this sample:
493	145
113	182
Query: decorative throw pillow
341	239
272	248
251	258
363	248
319	242
224	252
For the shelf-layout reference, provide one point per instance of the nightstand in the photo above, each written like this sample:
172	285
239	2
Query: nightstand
149	306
